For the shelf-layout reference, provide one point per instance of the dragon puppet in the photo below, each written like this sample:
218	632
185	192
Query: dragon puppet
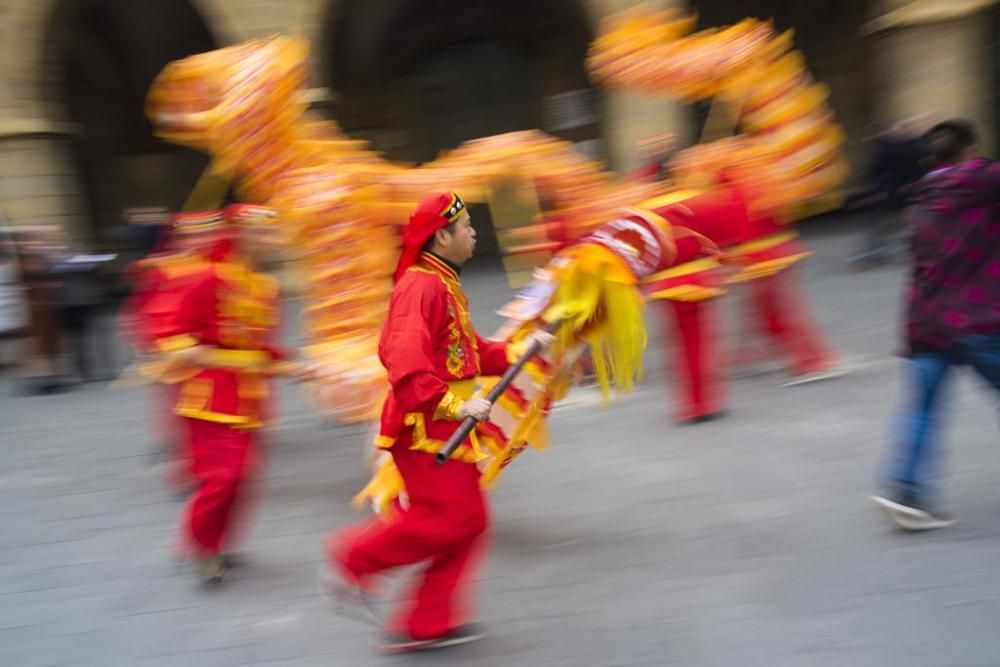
616	242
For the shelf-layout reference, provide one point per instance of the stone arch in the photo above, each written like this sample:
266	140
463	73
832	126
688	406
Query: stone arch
100	58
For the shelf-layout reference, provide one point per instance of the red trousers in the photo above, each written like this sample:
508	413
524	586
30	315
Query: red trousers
695	358
222	460
777	312
444	526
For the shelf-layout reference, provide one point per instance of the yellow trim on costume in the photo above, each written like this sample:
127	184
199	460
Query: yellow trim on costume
767	268
460	391
421	443
176	343
765	243
685	269
439	265
687	293
448	407
218	356
217	417
670	198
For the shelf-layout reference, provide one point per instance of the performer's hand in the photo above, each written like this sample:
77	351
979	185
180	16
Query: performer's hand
542	337
477	408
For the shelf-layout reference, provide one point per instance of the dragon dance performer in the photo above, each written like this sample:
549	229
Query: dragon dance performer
157	280
219	337
433	357
760	250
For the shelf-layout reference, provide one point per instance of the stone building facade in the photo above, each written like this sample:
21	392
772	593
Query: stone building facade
75	150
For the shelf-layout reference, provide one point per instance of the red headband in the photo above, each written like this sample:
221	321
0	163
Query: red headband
434	212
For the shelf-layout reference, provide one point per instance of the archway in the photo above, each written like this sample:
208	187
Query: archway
104	54
416	77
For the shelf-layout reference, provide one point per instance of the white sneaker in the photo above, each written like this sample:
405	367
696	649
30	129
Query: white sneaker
817	376
910	517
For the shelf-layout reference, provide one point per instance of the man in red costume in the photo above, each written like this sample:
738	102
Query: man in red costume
219	336
433	357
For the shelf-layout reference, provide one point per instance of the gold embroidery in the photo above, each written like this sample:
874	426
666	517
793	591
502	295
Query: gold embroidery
461	336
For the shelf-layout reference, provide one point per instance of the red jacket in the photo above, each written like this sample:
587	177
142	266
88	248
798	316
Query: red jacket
433	356
232	310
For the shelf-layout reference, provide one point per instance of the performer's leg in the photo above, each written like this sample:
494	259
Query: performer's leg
784	316
446	515
440	602
222	457
428	527
695	358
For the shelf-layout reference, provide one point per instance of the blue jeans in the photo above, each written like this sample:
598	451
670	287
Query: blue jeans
913	459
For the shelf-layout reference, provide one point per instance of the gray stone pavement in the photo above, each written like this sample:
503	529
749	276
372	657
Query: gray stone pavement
749	541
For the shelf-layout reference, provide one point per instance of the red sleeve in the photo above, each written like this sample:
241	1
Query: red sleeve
406	348
492	356
689	248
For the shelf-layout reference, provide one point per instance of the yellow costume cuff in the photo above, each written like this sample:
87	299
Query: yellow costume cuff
175	343
449	407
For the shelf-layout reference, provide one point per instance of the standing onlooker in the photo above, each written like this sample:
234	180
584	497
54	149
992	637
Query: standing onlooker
953	317
146	227
41	368
14	320
897	162
79	297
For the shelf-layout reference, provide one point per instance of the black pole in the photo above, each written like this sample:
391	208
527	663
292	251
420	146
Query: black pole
469	423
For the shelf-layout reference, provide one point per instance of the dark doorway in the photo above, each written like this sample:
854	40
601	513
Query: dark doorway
417	77
104	55
828	33
468	90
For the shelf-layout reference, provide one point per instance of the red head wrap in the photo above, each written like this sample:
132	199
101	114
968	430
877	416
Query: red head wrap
434	212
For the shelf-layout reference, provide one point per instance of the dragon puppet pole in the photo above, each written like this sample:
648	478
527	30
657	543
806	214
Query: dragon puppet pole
459	436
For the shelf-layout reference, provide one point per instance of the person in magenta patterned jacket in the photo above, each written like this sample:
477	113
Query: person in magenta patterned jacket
953	310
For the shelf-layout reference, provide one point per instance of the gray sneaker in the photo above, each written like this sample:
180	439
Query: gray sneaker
345	600
211	569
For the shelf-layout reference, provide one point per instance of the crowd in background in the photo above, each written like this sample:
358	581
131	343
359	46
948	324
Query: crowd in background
52	296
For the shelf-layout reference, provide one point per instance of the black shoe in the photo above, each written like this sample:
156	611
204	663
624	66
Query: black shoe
705	418
397	643
909	512
234	560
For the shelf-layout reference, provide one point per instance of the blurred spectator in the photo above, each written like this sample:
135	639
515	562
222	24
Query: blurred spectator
953	318
79	297
146	227
897	162
41	368
14	319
